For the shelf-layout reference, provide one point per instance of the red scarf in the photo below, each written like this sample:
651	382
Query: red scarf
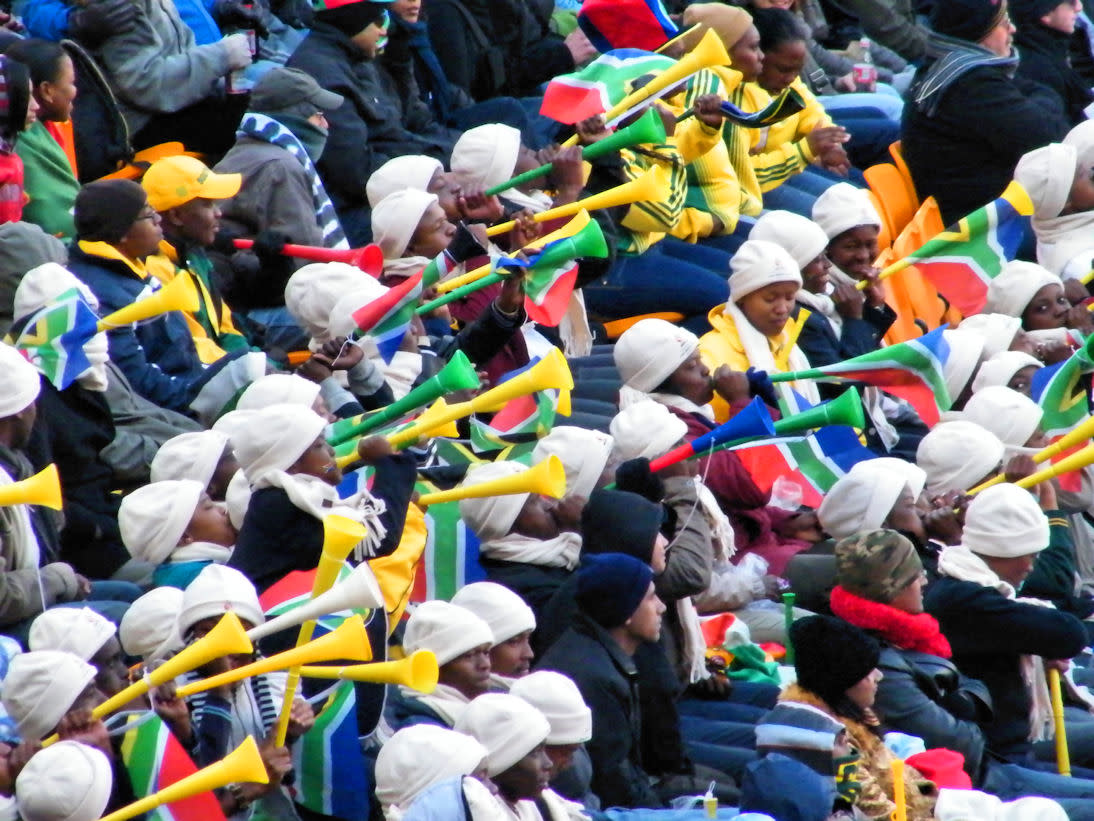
907	631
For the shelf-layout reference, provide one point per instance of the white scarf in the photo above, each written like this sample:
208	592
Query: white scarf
95	378
21	544
200	552
446	701
563	550
757	348
1061	239
958	562
314	496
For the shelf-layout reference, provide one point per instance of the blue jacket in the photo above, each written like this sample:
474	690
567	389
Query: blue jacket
157	355
48	19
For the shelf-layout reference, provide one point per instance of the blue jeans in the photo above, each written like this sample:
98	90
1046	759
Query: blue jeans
885	102
109	599
670	276
871	134
281	329
1011	781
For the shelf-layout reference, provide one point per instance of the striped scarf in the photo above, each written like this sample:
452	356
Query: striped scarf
267	129
952	59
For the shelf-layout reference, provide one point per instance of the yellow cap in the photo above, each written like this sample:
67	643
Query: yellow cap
174	181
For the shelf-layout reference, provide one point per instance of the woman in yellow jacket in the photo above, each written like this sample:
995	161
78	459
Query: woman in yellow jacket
754	329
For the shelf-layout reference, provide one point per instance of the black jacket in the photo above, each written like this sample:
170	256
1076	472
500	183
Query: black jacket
989	633
926	696
964	156
1045	60
536	584
608	681
821	346
72	428
277	537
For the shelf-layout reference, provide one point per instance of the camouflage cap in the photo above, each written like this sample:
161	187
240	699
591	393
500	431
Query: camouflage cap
876	564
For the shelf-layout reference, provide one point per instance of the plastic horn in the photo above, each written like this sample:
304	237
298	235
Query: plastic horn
1076	461
458	375
348	641
551	372
843	410
546	478
43	488
753	421
588	242
346	454
580	220
643	188
225	639
340	535
1063	758
1081	433
243	764
899	798
359	590
708	52
418	671
369	258
646	129
180	294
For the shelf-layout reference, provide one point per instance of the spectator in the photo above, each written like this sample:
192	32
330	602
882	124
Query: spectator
20	110
1043	32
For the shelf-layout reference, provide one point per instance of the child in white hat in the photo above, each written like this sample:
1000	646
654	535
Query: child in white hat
67	781
511	621
204	456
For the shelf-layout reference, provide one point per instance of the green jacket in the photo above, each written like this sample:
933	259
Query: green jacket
48	182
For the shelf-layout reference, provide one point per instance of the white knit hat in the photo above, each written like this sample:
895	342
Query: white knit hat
277	436
419	756
149	628
1002	367
649	351
395	219
194	455
1047	173
341	315
1011	416
19	382
217	590
408	171
860	502
42	284
958	455
492	517
504	611
486	155
153	518
1011	292
67	781
966	349
583	453
647	429
757	264
843	207
1081	138
558	699
279	389
41	687
238	498
1005	521
79	631
974	805
314	289
446	629
508	727
997	330
914	477
802	238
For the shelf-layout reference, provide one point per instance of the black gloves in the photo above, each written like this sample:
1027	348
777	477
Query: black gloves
635	476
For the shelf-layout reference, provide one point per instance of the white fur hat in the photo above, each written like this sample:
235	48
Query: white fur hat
341	315
149	627
19	382
647	429
395	219
583	454
802	238
913	475
492	517
279	389
314	289
649	351
79	631
153	518
217	590
558	699
843	207
1001	368
275	438
486	155
194	455
958	455
504	611
757	264
860	502
1005	521
1011	292
41	687
1011	416
67	781
508	727
42	284
419	756
1047	173
447	629
966	349
997	330
1081	138
408	171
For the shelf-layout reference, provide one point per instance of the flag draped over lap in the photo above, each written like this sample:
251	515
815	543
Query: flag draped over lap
962	260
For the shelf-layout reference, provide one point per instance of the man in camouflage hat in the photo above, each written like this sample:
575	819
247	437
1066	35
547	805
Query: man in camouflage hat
881	566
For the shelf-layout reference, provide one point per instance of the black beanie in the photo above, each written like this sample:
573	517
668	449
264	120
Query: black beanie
1031	11
351	18
970	20
610	586
106	209
831	656
615	521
